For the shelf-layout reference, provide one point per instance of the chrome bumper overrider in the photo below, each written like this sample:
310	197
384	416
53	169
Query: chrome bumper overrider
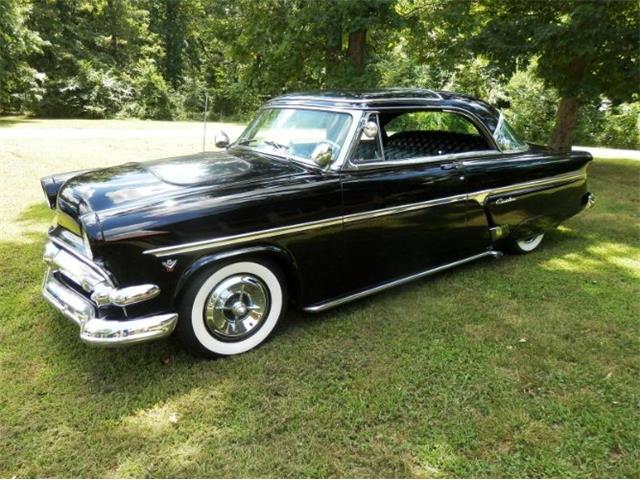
97	285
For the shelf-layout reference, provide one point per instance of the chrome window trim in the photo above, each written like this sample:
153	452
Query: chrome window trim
328	108
420	160
361	101
479	196
352	165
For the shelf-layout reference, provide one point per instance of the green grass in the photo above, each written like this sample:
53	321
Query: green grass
524	366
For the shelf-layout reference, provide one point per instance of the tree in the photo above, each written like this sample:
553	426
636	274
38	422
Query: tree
17	41
177	24
356	23
584	48
91	50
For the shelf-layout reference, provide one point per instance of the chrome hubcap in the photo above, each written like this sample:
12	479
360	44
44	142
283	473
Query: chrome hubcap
236	307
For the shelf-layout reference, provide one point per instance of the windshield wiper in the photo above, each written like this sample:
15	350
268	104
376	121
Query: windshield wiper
271	143
276	145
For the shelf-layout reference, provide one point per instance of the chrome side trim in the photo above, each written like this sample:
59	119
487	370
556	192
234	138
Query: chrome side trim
319	307
357	217
518	188
279	231
480	197
242	237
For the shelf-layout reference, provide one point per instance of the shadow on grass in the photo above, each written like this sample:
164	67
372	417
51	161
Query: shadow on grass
416	381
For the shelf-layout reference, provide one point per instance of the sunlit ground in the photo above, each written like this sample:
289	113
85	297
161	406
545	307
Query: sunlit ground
524	366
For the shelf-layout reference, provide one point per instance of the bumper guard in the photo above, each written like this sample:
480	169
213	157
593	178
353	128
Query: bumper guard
98	285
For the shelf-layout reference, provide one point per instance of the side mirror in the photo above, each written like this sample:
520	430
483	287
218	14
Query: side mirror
322	154
370	129
221	139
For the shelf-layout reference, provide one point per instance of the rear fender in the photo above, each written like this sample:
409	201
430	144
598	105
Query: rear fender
533	210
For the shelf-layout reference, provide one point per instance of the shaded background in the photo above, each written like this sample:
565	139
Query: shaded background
568	63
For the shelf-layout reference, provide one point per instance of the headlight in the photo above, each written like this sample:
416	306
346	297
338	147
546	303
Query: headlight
86	245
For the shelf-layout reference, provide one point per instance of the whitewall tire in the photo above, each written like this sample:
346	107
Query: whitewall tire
526	245
231	309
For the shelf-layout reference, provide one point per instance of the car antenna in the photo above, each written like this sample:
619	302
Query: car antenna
204	131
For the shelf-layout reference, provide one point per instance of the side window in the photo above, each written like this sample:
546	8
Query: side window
369	148
417	134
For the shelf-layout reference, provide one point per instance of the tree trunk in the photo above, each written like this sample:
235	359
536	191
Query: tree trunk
333	50
355	50
561	136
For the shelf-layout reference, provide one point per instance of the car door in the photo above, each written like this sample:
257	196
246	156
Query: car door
403	216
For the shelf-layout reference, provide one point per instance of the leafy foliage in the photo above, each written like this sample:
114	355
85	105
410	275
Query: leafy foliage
18	80
532	105
579	61
159	58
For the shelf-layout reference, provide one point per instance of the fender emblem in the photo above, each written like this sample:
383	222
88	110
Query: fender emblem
170	264
500	201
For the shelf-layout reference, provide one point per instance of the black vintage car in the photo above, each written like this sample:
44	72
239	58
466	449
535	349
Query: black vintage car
325	198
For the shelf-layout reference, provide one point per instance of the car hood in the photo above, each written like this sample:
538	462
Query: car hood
144	182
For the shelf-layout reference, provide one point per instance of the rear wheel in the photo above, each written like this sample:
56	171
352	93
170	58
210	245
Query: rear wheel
525	245
231	309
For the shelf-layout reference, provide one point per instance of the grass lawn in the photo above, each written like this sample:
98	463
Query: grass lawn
523	366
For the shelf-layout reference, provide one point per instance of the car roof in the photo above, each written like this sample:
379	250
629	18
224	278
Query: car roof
392	98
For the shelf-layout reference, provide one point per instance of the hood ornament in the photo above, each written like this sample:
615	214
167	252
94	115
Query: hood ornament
170	265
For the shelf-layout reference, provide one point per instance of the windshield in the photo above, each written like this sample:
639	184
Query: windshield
507	139
296	132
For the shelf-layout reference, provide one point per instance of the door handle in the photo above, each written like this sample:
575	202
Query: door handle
450	166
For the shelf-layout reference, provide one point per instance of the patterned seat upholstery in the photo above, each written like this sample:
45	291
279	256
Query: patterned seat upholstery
413	144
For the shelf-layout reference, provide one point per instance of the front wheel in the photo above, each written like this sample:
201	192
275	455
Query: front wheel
231	309
525	245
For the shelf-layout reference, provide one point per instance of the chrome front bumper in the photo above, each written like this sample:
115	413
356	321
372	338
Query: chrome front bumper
63	264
